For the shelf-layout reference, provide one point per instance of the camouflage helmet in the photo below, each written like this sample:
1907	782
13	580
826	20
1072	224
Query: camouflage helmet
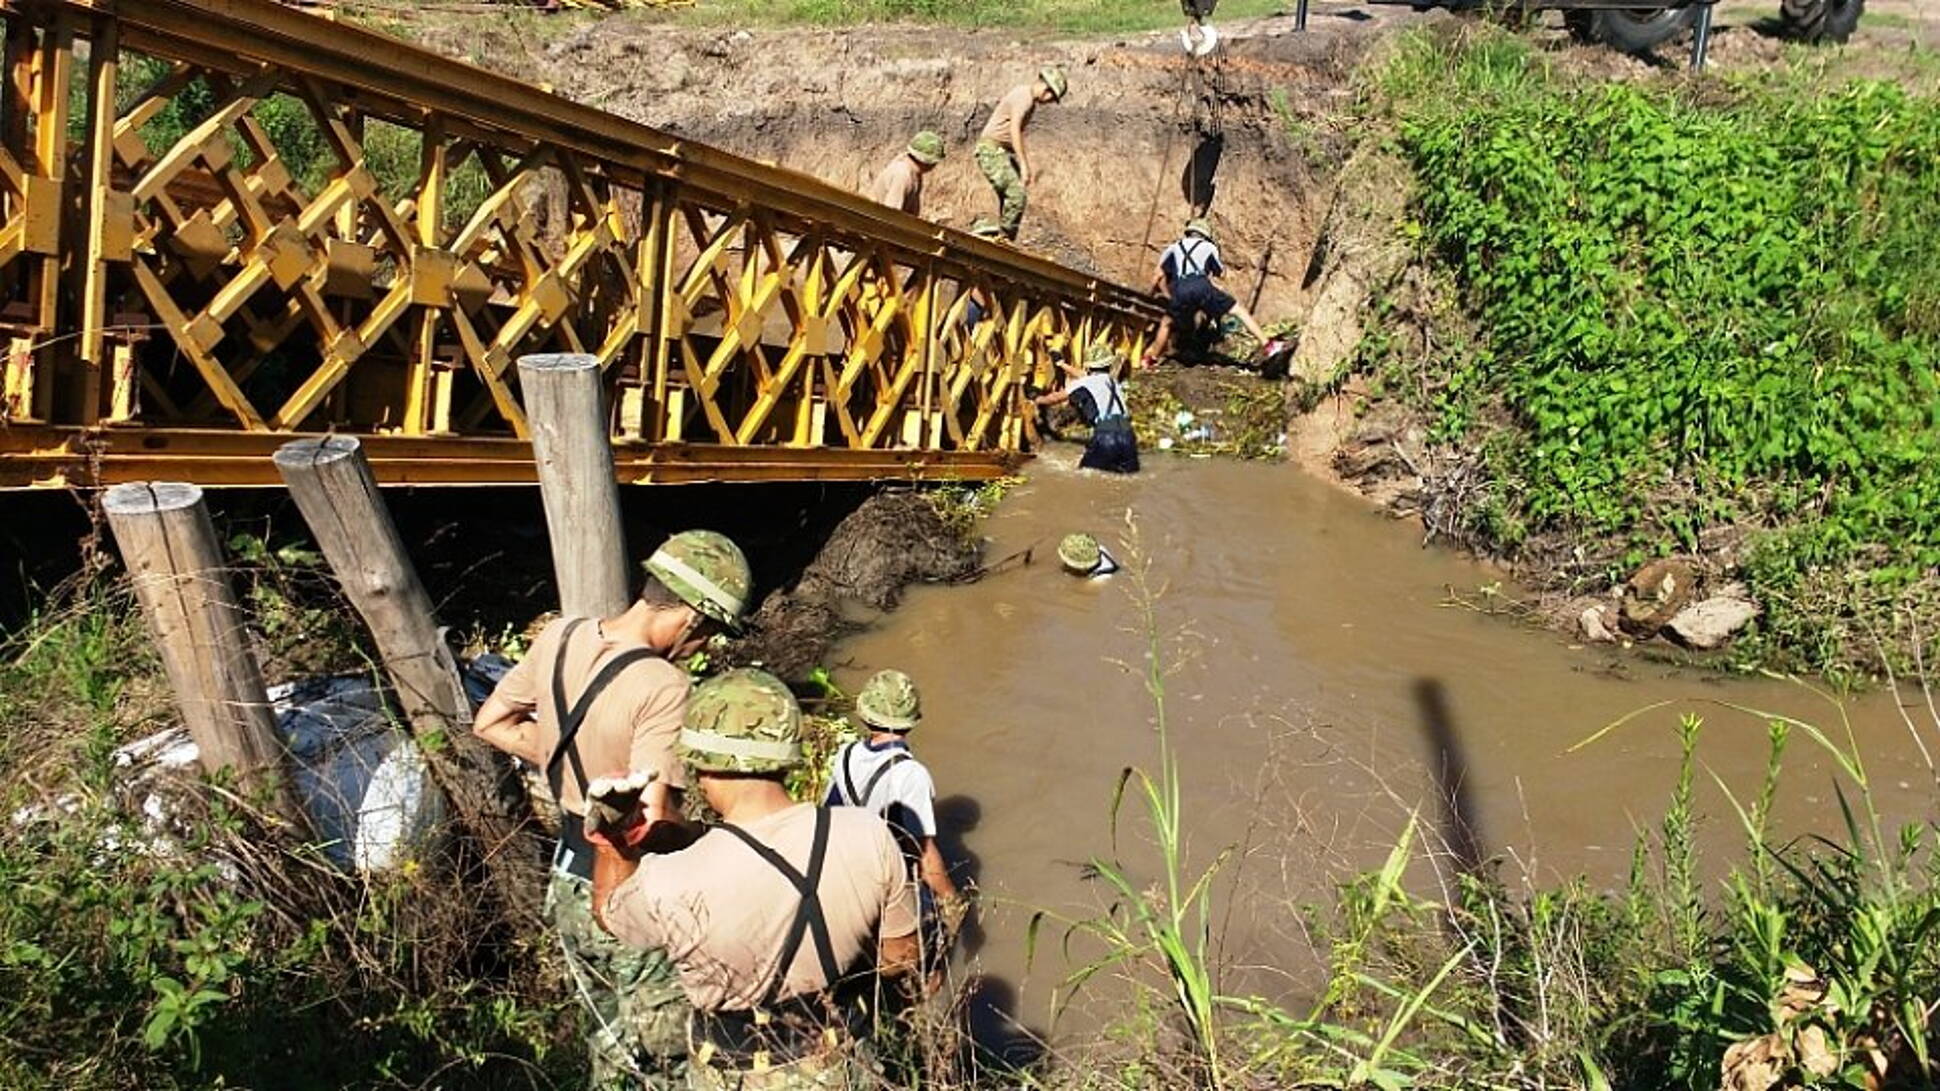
889	702
707	571
1079	553
926	148
1100	357
1201	227
987	229
743	721
1053	77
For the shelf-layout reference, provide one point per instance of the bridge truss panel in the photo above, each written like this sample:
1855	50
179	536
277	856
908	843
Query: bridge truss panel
224	222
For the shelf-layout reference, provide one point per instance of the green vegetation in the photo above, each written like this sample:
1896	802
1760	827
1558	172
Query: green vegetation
206	949
1203	415
1703	307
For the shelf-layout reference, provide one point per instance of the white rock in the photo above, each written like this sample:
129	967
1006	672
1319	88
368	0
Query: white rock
1595	628
1711	623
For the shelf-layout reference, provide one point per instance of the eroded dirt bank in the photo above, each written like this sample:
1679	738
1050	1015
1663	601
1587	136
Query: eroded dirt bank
1114	157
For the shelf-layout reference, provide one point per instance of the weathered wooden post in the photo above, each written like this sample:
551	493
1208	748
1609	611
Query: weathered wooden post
567	417
180	578
331	481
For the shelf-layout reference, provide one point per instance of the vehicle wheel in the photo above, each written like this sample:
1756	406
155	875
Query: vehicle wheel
1633	30
1821	20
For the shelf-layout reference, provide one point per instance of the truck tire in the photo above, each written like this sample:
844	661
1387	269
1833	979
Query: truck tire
1821	20
1633	30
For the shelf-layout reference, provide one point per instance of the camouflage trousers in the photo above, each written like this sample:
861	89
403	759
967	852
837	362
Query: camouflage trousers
999	166
636	1014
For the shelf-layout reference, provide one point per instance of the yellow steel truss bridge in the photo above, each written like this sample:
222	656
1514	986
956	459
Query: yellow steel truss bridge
225	222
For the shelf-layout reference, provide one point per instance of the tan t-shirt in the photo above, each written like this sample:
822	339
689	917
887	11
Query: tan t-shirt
900	185
1017	104
631	726
721	912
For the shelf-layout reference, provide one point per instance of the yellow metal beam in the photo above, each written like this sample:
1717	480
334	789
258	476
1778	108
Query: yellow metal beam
74	457
811	332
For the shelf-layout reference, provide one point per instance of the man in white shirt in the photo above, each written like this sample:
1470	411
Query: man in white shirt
1100	403
880	774
1184	278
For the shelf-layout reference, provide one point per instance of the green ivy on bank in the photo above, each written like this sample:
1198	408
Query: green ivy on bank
1697	313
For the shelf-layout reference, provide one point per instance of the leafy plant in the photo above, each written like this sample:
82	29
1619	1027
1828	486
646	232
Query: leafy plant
1698	313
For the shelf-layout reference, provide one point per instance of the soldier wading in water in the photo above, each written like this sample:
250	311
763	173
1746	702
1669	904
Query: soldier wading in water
780	919
1100	402
597	696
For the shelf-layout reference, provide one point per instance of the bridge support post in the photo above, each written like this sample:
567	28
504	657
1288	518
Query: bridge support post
182	583
568	419
332	484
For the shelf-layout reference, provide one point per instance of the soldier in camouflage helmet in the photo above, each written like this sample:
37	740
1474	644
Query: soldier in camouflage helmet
596	697
1001	152
1100	402
778	915
900	183
706	571
881	774
1081	555
1195	306
978	308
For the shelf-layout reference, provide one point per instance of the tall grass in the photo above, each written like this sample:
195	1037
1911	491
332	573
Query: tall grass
1166	926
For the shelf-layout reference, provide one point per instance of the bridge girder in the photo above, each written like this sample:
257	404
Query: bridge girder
273	224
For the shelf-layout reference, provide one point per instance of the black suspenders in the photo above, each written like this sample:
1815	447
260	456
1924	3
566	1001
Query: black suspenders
861	799
809	923
570	719
1117	402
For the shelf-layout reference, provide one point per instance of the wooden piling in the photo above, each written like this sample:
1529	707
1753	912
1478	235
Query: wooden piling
567	416
182	583
333	486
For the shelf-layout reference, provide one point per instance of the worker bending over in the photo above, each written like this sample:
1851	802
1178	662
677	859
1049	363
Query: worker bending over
1001	153
1184	278
597	696
900	183
776	917
1100	402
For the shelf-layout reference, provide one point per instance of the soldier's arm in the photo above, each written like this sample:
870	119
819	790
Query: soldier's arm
899	944
898	955
610	869
508	726
936	874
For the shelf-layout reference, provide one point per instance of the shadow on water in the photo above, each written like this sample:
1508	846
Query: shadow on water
1460	829
995	1042
955	816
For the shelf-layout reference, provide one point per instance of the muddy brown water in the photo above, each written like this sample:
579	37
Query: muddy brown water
1321	688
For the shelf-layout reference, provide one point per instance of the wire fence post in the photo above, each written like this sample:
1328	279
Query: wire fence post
181	580
572	446
332	484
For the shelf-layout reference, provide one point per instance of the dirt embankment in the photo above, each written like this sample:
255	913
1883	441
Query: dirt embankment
1114	158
